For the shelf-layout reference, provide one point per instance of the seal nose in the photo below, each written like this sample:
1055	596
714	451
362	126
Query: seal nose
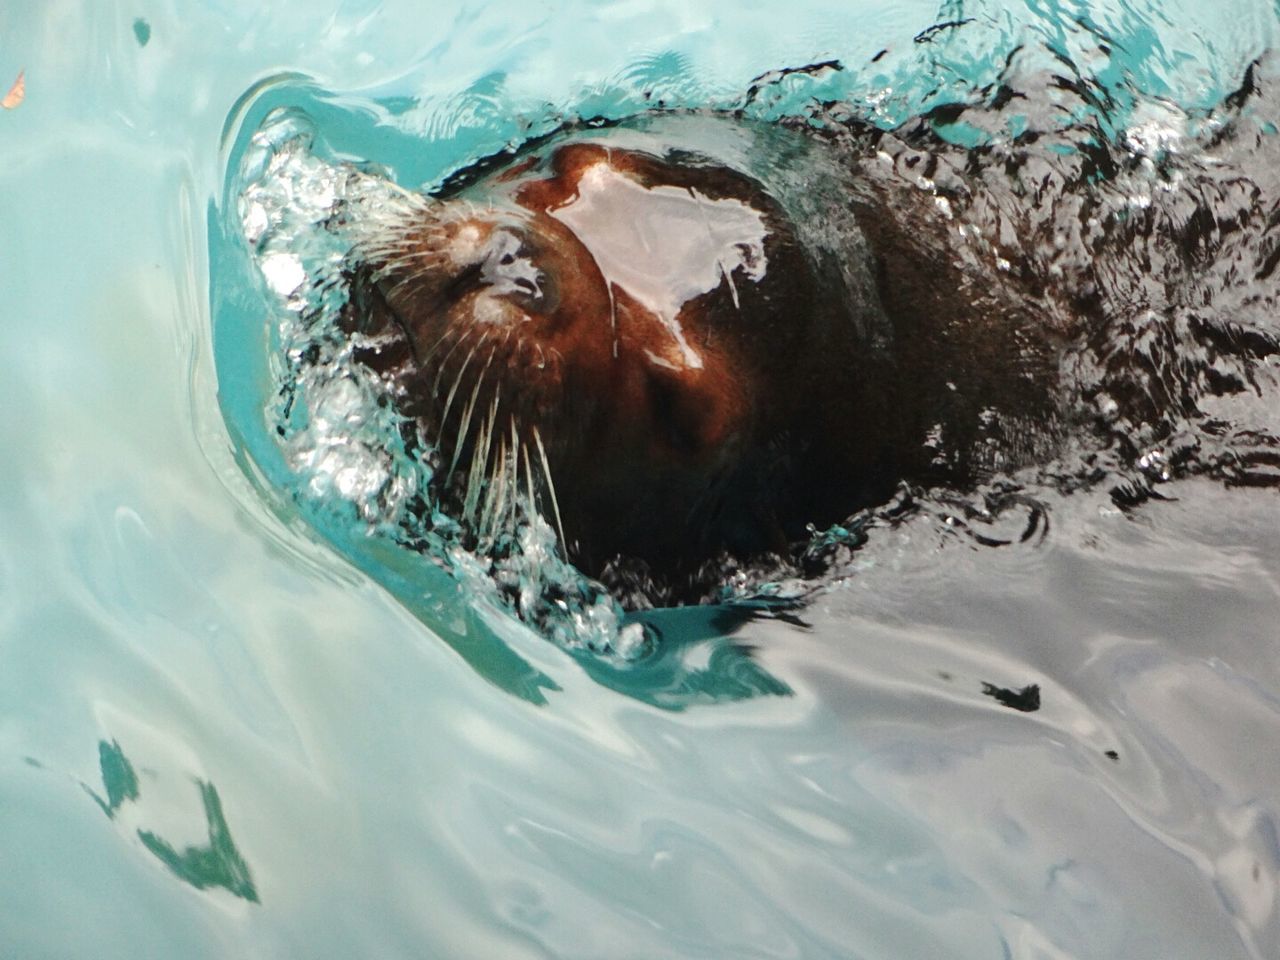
509	269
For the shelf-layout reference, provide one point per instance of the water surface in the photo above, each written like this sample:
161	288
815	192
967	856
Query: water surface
221	737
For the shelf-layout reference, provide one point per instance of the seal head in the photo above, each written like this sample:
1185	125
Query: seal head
650	325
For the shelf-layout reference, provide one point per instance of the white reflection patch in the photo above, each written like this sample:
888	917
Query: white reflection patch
664	245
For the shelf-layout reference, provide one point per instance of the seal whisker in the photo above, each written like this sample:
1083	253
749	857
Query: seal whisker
485	505
490	494
531	504
451	332
413	199
493	420
551	488
457	382
496	490
515	475
475	476
465	426
502	478
480	462
398	286
397	262
466	335
400	252
495	502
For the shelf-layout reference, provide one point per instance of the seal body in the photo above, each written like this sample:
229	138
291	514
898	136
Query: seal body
701	333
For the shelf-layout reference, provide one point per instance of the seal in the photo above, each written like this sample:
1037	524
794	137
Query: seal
698	333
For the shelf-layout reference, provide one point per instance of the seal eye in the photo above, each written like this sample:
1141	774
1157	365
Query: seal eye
508	268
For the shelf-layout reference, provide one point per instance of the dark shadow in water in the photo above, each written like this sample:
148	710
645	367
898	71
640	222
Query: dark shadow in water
694	659
1026	700
117	776
217	864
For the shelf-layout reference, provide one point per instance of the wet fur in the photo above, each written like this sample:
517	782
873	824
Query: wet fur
998	352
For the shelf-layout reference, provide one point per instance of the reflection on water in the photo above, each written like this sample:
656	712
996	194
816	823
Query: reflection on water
118	778
1027	699
215	864
170	622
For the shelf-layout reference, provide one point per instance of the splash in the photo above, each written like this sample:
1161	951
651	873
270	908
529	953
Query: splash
303	218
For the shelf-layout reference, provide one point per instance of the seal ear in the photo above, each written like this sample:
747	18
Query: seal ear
677	419
691	417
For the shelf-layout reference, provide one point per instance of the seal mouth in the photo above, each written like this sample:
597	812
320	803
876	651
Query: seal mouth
481	389
462	319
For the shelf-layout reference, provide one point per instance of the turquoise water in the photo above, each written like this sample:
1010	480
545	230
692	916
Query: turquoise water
227	731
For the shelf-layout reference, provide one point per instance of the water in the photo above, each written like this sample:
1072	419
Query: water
227	731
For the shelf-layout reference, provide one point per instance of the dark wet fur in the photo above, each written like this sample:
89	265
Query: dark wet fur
1168	310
